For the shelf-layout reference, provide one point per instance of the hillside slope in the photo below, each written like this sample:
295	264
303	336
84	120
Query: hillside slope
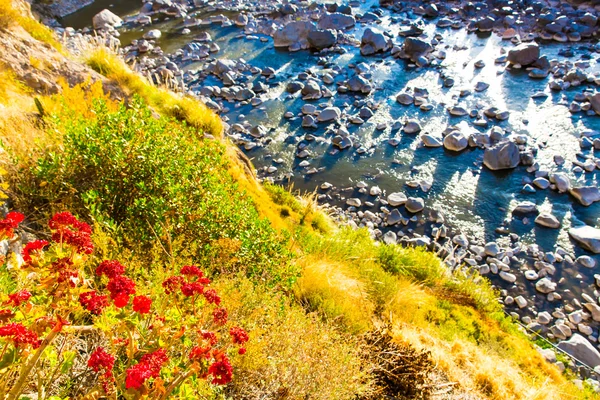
331	314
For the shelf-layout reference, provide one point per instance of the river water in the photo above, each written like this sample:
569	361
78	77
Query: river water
473	199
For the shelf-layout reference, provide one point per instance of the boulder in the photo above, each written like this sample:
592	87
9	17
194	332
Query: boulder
561	180
588	237
373	41
311	89
430	141
396	199
455	141
322	39
524	54
580	348
545	286
329	114
106	19
502	156
412	127
595	102
414	204
336	21
414	47
152	34
586	195
293	33
547	220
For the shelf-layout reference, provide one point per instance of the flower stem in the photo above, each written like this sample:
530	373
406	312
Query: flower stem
27	367
176	382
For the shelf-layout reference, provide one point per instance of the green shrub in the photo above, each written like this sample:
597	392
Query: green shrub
150	178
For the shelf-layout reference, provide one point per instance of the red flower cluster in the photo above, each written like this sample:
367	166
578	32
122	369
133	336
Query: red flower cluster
220	316
141	304
110	268
238	335
10	222
191	288
172	284
20	335
120	288
148	367
193	283
221	369
101	361
211	337
67	229
30	247
62	267
93	302
212	297
18	298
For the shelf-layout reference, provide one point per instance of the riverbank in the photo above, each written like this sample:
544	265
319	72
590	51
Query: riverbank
344	277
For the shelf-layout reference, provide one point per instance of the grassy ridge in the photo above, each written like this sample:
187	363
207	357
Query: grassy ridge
158	192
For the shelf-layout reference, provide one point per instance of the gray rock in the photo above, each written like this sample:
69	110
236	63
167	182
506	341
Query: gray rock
455	141
508	277
580	348
293	33
353	202
414	47
322	39
329	114
390	238
502	156
415	204
524	54
336	21
545	286
106	19
586	261
586	195
152	34
373	41
394	217
405	99
561	180
396	199
547	220
525	207
412	127
587	237
430	141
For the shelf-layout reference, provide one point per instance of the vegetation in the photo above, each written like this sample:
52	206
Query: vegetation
312	297
11	17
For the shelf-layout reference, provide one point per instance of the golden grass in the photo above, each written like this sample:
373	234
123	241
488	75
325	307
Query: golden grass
336	292
10	16
193	112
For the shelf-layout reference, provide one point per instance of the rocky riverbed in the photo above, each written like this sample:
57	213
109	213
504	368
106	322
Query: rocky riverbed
468	127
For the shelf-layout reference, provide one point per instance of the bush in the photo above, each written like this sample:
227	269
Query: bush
144	344
150	178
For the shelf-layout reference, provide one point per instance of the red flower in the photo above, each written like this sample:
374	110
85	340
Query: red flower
191	270
238	335
20	335
242	351
10	222
93	302
148	367
36	246
211	337
191	288
221	371
141	304
67	229
198	353
101	361
19	297
121	300
171	284
120	286
220	316
110	268
212	297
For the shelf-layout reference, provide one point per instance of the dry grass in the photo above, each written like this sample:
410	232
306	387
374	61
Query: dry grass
18	13
336	292
193	112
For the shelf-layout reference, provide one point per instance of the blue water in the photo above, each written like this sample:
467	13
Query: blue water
473	199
